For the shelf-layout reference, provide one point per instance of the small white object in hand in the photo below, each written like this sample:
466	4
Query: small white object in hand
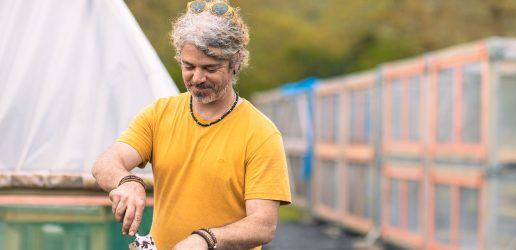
143	243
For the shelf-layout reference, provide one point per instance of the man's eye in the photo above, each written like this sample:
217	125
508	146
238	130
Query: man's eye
211	70
188	67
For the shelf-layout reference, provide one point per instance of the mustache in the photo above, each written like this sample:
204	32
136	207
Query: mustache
203	85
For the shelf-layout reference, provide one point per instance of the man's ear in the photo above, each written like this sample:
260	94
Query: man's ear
236	68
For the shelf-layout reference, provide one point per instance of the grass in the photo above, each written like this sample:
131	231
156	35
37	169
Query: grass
290	213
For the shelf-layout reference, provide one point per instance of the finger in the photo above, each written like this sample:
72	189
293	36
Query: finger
136	221
112	194
115	199
128	219
120	211
114	205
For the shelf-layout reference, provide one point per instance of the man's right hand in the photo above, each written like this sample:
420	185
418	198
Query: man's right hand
128	202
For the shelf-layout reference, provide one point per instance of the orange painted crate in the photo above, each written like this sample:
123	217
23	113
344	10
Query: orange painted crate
345	150
422	150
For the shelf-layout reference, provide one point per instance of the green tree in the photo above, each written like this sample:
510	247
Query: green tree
293	39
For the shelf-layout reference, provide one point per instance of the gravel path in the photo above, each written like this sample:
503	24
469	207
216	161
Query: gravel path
304	236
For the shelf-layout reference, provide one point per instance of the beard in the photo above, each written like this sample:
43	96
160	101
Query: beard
207	93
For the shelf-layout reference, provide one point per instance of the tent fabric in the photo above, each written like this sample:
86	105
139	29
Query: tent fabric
46	180
73	75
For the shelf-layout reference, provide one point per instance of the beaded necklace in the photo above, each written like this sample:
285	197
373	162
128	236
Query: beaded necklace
216	121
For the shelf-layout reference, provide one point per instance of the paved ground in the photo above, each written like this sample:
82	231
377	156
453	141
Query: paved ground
305	236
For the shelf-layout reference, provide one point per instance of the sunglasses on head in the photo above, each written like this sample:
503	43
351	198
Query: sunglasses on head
216	8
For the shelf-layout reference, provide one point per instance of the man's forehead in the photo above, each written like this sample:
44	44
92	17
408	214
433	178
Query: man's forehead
193	55
210	50
204	65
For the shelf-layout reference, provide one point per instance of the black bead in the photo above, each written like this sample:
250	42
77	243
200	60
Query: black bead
216	121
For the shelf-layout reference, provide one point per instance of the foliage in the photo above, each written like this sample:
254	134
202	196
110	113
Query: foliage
290	213
294	39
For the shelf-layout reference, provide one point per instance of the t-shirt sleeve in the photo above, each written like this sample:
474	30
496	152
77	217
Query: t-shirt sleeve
266	175
140	132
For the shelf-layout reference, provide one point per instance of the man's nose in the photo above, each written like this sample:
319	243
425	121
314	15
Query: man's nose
199	76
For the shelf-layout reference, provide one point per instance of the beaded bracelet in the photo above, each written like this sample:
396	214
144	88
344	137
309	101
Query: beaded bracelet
129	178
209	241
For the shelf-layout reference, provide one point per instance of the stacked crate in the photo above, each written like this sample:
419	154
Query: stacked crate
497	187
421	150
404	87
345	150
502	155
328	166
291	110
447	129
459	110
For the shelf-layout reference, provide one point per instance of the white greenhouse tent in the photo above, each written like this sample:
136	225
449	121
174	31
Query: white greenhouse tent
73	74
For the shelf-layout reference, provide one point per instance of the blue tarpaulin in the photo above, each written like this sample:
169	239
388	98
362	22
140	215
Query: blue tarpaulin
306	86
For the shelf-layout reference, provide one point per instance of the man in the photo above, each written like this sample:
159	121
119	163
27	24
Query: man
219	166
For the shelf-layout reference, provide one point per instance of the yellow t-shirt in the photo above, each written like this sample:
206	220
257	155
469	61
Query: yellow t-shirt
203	175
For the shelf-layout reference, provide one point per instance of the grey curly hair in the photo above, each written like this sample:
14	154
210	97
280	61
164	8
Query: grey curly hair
205	31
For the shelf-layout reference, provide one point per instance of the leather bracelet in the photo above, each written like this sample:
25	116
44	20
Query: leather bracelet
212	235
129	178
211	244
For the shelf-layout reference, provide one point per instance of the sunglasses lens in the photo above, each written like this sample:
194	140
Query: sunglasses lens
197	6
219	9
